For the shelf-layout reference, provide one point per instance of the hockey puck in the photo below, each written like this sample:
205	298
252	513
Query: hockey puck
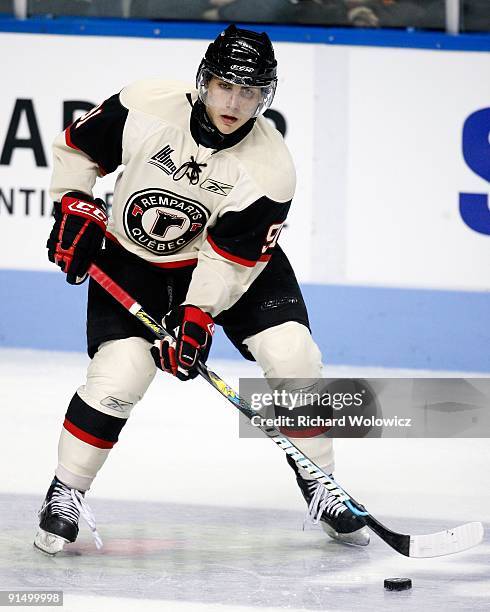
398	584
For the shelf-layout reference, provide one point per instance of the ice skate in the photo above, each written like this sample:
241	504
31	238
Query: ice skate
59	516
335	518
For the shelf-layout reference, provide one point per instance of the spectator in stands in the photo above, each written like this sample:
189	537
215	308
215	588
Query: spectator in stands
169	9
359	13
475	16
321	12
396	13
80	8
145	9
362	13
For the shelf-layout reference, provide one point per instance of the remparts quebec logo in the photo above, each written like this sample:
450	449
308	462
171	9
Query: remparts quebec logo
163	222
163	160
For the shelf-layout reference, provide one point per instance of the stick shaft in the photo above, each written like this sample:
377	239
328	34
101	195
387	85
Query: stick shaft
226	391
398	541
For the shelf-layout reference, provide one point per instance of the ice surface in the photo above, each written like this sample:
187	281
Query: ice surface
194	518
233	556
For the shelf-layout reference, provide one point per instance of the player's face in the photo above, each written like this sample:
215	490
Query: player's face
229	106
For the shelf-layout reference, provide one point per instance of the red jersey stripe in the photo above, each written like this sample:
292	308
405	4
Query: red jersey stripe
86	437
249	263
68	140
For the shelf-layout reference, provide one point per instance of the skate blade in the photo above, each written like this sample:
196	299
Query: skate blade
355	538
48	543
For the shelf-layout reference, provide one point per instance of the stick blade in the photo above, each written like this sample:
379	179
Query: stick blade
446	542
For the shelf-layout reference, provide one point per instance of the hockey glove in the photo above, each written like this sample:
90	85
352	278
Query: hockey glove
193	330
79	227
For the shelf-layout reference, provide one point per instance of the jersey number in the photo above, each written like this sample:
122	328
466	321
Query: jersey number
272	236
95	111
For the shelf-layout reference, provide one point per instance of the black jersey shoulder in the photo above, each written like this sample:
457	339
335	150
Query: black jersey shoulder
99	133
249	235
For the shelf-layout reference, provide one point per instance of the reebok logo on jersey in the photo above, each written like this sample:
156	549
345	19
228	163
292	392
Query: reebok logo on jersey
163	160
116	404
163	222
216	187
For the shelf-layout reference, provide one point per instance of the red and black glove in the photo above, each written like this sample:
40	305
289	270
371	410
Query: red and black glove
193	330
79	227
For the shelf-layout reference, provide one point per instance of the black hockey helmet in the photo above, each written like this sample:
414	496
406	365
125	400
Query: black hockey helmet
241	57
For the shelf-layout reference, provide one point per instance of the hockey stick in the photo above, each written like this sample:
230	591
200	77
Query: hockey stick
422	546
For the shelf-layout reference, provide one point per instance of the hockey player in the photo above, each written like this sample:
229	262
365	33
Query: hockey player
197	212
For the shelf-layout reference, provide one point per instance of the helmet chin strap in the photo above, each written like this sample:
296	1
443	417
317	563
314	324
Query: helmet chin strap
205	133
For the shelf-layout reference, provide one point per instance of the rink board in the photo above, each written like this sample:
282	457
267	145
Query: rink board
390	227
432	330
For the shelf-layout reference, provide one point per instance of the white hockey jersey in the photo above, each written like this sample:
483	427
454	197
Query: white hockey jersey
177	203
